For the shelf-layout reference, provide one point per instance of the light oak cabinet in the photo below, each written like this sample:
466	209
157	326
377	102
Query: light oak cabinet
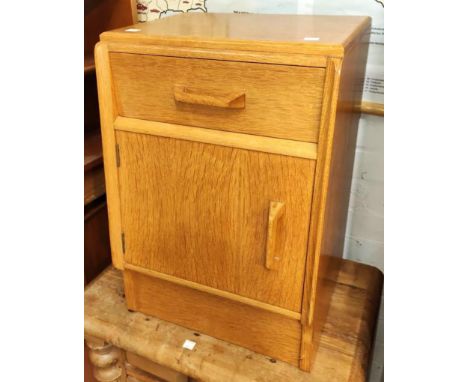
228	148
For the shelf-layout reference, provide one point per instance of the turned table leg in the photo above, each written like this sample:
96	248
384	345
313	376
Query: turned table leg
106	360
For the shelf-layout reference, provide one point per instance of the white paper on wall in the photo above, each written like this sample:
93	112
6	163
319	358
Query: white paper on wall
374	80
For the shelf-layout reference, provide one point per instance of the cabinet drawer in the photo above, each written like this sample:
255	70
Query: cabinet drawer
235	221
263	99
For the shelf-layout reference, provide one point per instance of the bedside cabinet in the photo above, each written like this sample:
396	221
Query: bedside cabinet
228	144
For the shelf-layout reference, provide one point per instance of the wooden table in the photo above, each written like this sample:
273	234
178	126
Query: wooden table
130	346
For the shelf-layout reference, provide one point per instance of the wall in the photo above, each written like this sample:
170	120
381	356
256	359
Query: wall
365	229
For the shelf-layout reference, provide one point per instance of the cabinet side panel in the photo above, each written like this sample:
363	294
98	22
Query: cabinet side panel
339	181
343	150
337	144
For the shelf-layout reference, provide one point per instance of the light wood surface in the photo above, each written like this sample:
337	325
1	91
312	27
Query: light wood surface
219	137
222	54
342	354
107	360
316	226
108	114
333	181
202	97
338	131
232	321
136	364
273	93
254	32
372	108
137	375
212	291
201	146
273	256
200	212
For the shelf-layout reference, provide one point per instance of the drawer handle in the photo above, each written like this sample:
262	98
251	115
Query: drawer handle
202	97
272	258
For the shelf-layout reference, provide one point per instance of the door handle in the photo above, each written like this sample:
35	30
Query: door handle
233	100
272	258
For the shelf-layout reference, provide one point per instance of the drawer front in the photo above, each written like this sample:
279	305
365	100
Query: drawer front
231	219
263	99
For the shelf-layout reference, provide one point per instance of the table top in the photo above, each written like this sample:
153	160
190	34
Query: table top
342	353
313	34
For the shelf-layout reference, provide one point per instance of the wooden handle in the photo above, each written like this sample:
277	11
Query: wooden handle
202	97
272	259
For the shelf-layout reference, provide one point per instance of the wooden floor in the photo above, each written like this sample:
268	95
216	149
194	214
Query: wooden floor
342	355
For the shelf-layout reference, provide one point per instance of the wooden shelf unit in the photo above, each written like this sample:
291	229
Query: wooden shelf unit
89	66
99	16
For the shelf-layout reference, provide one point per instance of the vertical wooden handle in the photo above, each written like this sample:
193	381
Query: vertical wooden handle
194	96
272	258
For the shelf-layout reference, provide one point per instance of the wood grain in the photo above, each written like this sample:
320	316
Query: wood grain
164	373
255	329
342	354
200	212
106	359
372	108
222	54
137	375
219	137
88	367
97	254
192	192
249	32
214	292
108	114
331	84
94	184
274	94
91	106
92	150
194	96
333	182
273	257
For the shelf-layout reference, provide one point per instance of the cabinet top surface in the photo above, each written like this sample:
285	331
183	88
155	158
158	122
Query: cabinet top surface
271	33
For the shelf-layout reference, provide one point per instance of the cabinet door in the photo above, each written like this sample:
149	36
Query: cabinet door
217	215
